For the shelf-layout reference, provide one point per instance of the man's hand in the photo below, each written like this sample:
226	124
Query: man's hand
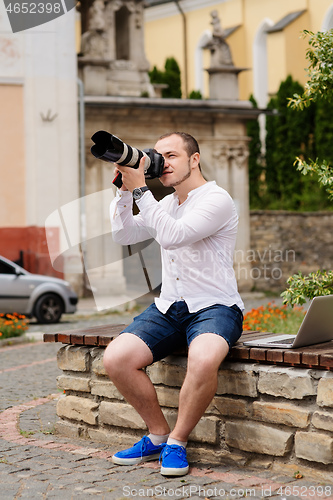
132	177
116	172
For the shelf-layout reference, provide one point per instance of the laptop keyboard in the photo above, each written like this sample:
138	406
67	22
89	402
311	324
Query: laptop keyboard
285	341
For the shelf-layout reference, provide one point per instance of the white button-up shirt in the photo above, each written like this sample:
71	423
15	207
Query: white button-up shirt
197	239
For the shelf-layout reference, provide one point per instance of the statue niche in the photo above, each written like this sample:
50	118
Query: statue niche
113	60
122	34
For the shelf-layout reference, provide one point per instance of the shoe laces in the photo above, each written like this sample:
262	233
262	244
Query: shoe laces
173	448
144	444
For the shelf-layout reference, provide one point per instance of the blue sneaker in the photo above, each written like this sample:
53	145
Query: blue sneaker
142	451
174	461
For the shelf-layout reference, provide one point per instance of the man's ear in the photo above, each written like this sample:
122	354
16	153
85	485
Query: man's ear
195	159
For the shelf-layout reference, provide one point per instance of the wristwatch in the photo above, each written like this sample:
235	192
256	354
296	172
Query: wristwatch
138	192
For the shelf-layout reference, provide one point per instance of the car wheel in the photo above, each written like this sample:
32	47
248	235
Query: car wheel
49	308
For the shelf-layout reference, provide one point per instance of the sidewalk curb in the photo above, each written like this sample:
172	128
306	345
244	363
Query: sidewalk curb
26	338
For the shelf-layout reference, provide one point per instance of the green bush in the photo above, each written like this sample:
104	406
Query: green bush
195	94
170	76
275	183
289	134
255	161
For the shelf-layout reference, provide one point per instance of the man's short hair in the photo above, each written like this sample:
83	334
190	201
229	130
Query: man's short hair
190	143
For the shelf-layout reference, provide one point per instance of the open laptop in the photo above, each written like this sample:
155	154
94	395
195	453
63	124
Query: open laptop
316	327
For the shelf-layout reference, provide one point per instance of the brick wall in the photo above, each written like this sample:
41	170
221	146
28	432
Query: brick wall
283	243
27	246
269	415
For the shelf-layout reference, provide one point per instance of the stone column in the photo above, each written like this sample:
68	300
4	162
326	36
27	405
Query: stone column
231	160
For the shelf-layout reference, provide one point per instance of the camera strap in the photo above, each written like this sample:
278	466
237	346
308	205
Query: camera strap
145	272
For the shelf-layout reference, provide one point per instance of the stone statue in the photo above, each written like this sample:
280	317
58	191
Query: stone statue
216	23
96	16
94	42
219	49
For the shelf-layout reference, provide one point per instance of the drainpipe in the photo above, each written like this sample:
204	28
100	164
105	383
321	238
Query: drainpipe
185	46
83	225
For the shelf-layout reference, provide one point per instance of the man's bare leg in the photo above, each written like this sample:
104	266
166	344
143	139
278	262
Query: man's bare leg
123	361
206	353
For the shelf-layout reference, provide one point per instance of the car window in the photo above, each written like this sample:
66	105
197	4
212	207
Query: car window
6	268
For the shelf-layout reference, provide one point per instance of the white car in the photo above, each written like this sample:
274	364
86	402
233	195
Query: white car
44	297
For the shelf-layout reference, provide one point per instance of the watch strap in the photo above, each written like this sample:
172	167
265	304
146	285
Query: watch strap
138	192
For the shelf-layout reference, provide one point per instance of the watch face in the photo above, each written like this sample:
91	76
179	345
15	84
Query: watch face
137	193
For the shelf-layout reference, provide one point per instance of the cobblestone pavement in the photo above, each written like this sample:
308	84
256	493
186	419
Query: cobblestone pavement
37	464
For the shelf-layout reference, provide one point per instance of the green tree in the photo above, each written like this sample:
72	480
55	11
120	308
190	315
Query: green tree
156	75
318	88
170	76
324	130
255	161
320	70
289	134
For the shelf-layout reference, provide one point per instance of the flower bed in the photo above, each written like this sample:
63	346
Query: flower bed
12	325
275	319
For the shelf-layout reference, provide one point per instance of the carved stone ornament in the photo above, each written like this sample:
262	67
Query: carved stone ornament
94	42
123	65
222	155
238	152
118	4
96	16
94	45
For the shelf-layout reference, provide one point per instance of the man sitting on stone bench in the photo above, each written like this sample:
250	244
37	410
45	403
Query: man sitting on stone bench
196	227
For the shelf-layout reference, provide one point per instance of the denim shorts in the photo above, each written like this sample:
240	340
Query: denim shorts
169	332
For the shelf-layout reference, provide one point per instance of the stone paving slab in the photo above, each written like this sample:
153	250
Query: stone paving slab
37	464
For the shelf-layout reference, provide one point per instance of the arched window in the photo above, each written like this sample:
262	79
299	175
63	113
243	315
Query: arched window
260	74
328	20
198	62
260	63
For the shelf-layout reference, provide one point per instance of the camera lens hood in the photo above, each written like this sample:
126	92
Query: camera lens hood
107	147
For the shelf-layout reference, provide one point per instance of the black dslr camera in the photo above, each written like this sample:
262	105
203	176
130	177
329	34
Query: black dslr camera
110	148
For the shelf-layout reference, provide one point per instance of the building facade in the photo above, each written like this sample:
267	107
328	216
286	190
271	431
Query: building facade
39	136
264	37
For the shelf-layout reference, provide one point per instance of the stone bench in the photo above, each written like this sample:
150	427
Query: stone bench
273	407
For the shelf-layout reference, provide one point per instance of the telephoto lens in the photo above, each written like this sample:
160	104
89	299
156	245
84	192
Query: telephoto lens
110	148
